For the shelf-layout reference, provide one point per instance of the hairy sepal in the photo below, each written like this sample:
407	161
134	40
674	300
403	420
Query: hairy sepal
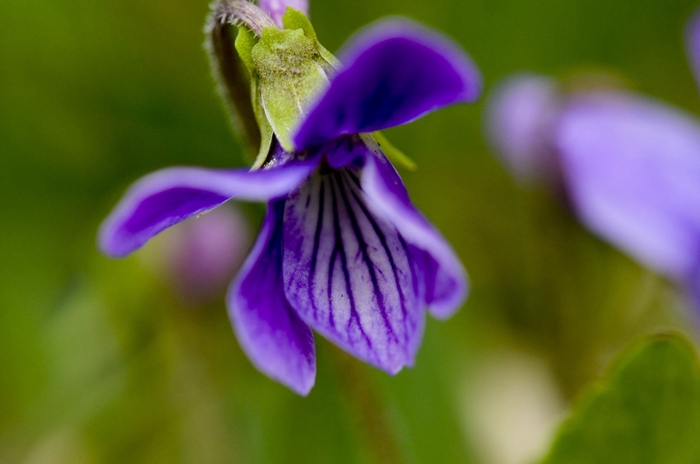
290	76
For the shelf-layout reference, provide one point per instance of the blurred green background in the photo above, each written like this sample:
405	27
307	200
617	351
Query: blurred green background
101	363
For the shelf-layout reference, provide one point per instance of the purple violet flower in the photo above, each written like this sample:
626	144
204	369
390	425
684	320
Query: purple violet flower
629	165
342	249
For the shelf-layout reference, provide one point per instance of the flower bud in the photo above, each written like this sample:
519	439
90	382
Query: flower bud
199	257
520	113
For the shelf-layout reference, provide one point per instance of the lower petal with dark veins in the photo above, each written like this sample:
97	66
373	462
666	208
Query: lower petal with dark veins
349	274
277	342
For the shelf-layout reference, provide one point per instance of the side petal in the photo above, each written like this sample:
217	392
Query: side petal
393	72
169	196
446	283
692	44
632	167
276	341
349	274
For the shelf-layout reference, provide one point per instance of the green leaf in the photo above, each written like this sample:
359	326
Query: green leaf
290	75
646	412
394	154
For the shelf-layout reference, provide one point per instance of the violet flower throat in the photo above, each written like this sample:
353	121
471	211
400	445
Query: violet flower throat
342	250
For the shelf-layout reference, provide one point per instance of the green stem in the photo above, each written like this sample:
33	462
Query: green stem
228	70
238	12
366	405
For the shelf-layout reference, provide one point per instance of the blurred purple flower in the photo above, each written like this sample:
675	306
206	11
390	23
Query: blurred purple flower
342	249
630	166
201	256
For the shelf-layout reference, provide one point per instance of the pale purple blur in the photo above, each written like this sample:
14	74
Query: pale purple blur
519	116
276	8
204	253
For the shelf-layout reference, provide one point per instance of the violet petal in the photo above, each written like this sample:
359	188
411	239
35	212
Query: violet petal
166	197
276	341
349	274
446	283
393	72
632	166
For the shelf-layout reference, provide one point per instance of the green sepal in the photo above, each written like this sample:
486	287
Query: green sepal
394	154
287	63
245	41
266	132
295	19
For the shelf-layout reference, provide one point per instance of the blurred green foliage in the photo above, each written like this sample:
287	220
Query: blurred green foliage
648	410
100	363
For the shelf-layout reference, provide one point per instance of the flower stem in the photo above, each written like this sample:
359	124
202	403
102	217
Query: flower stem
366	406
237	12
229	72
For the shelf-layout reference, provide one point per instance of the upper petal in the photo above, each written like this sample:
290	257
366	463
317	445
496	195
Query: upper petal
277	342
632	167
349	274
394	71
446	283
692	44
169	196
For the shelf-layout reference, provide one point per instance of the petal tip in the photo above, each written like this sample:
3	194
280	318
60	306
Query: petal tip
302	388
445	309
108	242
453	302
394	366
393	371
300	379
